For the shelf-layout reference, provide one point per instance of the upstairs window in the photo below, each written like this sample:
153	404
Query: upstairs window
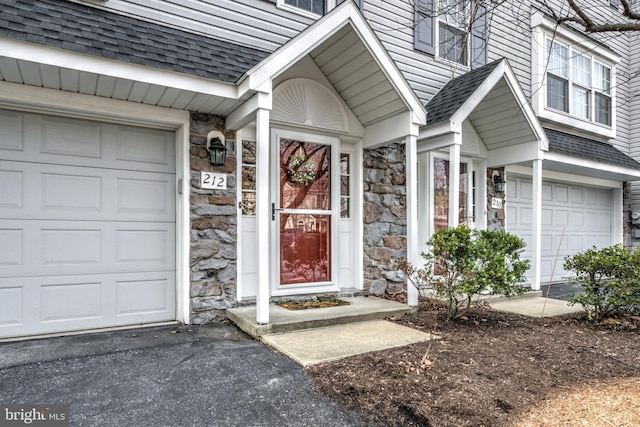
573	78
442	29
578	84
452	28
316	7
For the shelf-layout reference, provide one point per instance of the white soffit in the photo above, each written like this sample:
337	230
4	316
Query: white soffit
41	66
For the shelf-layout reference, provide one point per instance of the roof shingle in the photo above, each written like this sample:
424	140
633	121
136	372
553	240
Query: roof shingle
584	148
88	30
455	93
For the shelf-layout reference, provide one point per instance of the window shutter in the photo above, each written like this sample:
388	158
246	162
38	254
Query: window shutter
479	38
424	32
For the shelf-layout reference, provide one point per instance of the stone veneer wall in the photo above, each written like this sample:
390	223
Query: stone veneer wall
213	227
495	217
385	218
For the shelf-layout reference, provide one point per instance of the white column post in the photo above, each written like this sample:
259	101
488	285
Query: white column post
263	215
536	231
454	181
411	149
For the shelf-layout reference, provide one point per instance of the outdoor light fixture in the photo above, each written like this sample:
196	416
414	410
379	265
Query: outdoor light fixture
217	151
498	183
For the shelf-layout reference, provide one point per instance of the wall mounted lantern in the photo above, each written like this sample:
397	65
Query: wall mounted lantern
498	183
217	151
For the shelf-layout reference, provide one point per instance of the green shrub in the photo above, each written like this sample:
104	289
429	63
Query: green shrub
609	279
465	262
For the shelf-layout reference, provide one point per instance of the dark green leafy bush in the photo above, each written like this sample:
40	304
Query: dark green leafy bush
610	281
465	262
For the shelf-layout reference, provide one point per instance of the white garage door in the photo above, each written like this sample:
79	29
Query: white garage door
574	218
87	224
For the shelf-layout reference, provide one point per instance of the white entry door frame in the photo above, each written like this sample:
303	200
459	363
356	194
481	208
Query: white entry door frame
296	228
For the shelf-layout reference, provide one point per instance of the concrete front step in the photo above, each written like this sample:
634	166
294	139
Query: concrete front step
360	309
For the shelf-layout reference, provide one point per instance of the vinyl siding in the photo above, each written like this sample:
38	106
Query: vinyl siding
634	116
259	23
255	23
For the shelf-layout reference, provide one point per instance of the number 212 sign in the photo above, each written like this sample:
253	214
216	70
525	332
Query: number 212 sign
213	181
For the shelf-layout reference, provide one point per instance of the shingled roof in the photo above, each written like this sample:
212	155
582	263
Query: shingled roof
585	148
456	92
92	31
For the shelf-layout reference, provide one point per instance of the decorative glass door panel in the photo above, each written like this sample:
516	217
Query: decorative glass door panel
441	194
305	213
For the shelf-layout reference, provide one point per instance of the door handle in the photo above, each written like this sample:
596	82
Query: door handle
273	211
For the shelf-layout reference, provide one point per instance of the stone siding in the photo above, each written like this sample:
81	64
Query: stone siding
213	227
385	218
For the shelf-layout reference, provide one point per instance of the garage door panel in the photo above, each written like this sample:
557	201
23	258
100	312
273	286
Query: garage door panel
574	218
25	137
87	224
11	247
145	196
71	192
11	131
150	148
142	296
10	188
577	219
10	306
576	195
40	305
561	193
72	301
54	247
70	137
144	246
43	191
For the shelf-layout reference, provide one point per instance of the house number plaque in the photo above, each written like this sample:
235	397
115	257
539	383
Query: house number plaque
213	181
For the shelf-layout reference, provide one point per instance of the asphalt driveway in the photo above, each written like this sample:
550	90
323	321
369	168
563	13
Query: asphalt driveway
165	376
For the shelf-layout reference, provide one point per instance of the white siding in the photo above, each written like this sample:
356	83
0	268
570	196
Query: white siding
256	23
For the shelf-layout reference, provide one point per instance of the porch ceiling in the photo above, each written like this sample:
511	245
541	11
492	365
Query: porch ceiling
356	75
500	120
89	83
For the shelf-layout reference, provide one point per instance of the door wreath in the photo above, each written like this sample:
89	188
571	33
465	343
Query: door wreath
301	170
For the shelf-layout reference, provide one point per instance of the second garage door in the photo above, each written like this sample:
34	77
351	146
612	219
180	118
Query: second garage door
87	224
574	218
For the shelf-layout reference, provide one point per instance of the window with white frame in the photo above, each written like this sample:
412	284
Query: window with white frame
573	77
441	28
577	83
317	7
452	28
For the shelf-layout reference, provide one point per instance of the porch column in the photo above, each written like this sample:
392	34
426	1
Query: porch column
263	215
536	220
411	147
454	180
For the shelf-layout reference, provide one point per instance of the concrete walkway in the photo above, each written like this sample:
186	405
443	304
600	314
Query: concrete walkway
320	335
535	307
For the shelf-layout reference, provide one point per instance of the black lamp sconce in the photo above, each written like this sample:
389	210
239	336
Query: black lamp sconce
498	182
217	149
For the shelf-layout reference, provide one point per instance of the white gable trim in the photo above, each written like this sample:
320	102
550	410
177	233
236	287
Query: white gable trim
260	76
502	70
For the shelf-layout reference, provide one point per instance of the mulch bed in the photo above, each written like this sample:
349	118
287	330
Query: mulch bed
494	369
304	304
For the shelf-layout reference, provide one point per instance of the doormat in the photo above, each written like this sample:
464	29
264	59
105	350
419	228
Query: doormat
305	304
